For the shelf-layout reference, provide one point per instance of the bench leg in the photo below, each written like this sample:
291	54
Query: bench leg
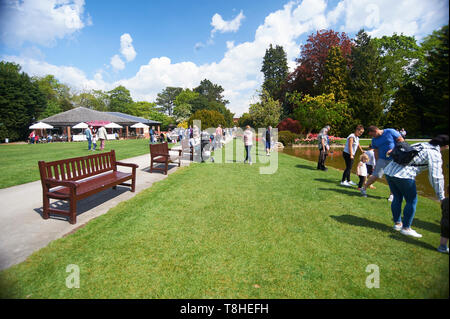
167	167
114	187
46	206
151	165
73	211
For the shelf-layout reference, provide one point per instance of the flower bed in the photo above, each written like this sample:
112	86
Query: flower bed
311	139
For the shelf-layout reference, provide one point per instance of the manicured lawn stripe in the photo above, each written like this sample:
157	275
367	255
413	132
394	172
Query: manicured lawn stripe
225	231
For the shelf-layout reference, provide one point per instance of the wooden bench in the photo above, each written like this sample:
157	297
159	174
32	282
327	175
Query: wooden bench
187	149
159	153
76	178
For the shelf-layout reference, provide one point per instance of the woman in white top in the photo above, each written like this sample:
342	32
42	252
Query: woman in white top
351	146
248	142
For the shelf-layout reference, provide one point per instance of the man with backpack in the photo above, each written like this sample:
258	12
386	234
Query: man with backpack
408	162
383	141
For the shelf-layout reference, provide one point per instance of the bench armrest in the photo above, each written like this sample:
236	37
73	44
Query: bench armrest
54	183
127	164
177	150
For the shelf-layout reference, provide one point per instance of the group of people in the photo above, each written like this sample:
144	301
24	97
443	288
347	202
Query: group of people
94	135
34	138
377	162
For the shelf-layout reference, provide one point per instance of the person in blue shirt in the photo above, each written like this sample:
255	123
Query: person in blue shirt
383	141
88	133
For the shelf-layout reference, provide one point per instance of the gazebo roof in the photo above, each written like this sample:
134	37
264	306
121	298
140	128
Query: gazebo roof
135	118
82	114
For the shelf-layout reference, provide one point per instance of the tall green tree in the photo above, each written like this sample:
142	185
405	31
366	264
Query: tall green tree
120	100
21	102
95	99
208	118
400	59
275	69
266	112
336	75
58	95
434	82
213	92
314	113
366	88
183	104
166	99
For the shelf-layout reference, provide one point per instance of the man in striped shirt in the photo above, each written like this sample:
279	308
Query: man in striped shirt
401	180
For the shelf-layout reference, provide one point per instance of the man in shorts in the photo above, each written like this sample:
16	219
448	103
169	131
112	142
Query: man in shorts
383	141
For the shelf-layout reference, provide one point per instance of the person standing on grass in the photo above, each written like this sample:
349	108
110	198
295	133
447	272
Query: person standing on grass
351	146
402	181
88	133
361	170
248	143
324	146
371	163
102	137
443	247
383	141
94	140
31	136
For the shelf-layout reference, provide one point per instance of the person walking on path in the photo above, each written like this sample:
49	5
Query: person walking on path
361	170
102	137
218	137
324	146
88	133
383	141
268	139
402	183
248	143
351	146
152	134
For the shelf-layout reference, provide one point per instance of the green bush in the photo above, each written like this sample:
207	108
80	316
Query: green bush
287	137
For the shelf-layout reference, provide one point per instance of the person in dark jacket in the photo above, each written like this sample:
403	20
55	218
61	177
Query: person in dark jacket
268	140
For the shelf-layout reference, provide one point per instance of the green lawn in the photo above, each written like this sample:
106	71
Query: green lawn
226	231
19	162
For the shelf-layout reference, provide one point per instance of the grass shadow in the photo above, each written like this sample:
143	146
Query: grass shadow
354	193
434	228
312	168
331	181
364	222
361	222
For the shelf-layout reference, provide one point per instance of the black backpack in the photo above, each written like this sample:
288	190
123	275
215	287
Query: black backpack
403	153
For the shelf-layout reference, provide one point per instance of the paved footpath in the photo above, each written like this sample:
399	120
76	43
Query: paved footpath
24	231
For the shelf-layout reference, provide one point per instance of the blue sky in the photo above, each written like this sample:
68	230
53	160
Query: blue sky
148	45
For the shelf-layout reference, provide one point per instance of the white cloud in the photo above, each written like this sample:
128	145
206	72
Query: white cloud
126	47
238	72
219	24
70	75
384	17
117	63
40	21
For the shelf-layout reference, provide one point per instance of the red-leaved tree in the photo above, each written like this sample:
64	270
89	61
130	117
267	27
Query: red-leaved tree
307	77
291	125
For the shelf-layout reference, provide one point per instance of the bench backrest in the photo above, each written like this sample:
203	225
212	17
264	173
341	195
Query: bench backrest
77	168
161	148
